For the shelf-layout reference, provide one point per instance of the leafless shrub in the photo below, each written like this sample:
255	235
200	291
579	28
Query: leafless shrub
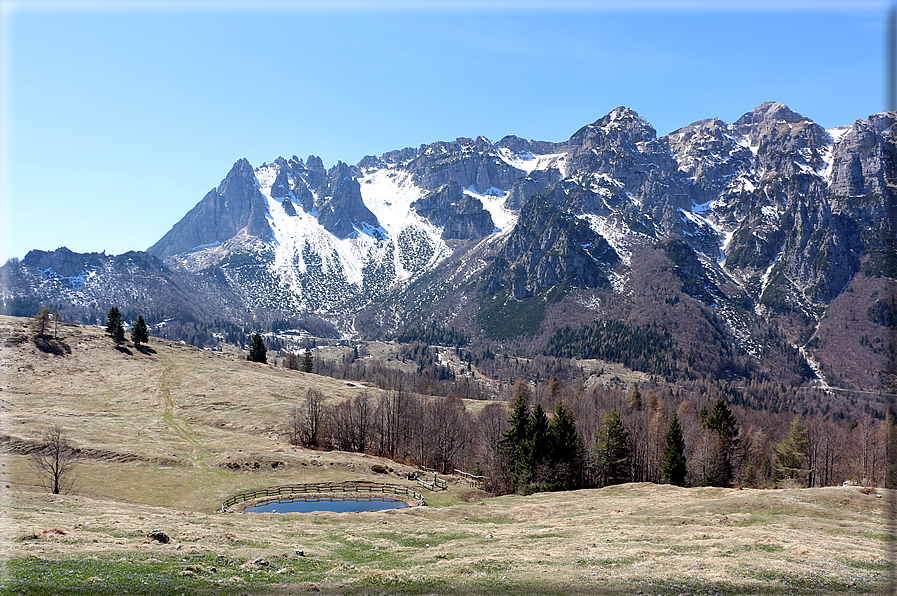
55	461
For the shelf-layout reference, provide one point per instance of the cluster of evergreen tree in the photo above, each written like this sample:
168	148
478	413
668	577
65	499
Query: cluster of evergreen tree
883	313
116	329
307	364
543	455
639	348
19	307
433	334
539	454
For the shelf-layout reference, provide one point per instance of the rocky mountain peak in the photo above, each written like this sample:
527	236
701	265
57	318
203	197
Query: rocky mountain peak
769	111
461	216
864	164
773	120
281	185
235	205
63	262
622	126
343	211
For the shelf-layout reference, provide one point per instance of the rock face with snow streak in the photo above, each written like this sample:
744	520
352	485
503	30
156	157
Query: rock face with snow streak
769	215
460	215
547	247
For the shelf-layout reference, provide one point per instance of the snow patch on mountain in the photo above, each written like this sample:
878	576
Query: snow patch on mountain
836	134
617	236
493	201
265	175
389	193
764	279
529	162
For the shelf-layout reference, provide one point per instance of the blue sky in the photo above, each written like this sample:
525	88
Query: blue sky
117	117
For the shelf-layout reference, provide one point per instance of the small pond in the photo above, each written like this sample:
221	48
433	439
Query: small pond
335	504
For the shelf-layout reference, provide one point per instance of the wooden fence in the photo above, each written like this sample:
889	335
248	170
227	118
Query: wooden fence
472	479
437	484
324	487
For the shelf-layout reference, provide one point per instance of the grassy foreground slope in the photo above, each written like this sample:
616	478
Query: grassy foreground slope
171	433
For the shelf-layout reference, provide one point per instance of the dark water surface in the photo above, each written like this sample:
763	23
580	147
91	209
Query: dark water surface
337	505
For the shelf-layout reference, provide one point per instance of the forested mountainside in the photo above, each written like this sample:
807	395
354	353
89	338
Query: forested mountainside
753	251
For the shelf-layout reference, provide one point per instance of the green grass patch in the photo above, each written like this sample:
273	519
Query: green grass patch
869	565
492	566
418	541
812	582
753	521
770	548
162	574
606	563
541	536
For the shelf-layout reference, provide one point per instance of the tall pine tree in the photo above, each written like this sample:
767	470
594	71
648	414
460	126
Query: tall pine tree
722	427
114	326
513	443
612	450
308	361
536	449
257	351
566	450
674	465
140	332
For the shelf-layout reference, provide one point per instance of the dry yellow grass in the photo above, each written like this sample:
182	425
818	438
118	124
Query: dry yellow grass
165	431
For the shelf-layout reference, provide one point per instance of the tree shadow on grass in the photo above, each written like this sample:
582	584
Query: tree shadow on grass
49	345
145	350
124	350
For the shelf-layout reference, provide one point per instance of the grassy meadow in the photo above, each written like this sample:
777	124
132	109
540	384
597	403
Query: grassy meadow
170	432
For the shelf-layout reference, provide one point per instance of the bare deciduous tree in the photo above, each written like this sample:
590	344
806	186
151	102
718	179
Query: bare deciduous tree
307	421
491	425
41	320
291	361
450	425
314	416
55	461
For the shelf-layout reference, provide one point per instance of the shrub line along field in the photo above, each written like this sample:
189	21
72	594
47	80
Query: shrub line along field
172	432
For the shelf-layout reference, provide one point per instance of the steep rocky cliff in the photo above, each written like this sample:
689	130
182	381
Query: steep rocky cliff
235	206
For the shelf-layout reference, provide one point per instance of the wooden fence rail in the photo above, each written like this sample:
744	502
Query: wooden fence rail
437	484
323	487
472	479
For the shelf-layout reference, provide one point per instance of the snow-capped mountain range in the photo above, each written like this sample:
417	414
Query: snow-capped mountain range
767	220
